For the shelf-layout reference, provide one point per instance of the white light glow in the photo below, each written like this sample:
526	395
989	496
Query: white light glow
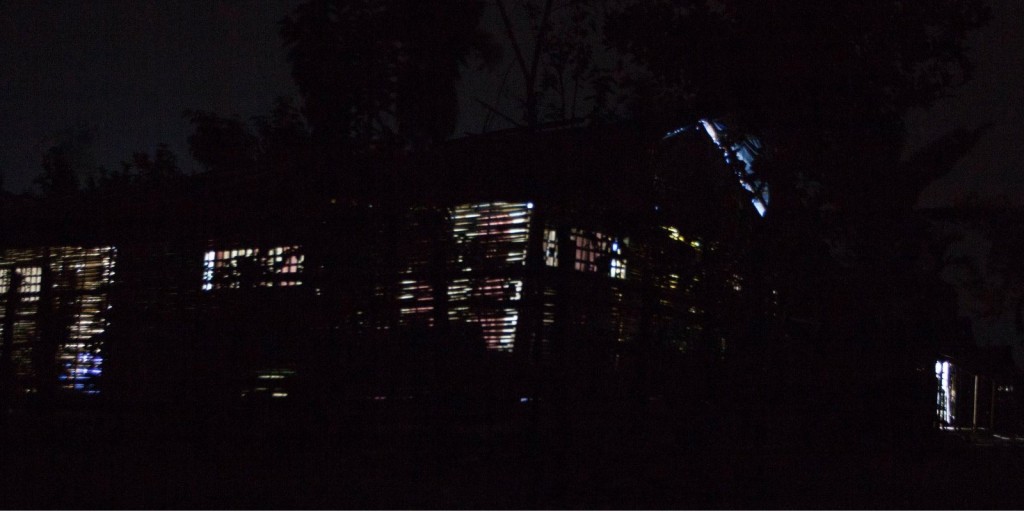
946	399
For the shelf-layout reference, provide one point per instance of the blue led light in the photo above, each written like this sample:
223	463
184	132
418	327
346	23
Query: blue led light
745	150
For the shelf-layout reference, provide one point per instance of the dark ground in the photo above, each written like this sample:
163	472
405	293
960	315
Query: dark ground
396	455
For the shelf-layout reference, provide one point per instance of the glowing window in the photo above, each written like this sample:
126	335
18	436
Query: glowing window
674	234
550	248
489	303
490	241
492	234
277	266
946	395
32	280
82	276
588	247
284	261
596	252
618	264
417	298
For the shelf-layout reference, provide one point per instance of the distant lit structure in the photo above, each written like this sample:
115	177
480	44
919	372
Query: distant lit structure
485	274
521	243
976	391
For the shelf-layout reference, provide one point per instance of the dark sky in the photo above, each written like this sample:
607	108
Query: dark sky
128	68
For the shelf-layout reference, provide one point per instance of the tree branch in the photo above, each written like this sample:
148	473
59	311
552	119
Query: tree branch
512	37
545	18
498	113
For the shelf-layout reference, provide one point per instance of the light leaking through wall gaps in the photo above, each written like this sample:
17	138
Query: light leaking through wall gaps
945	402
597	252
484	285
80	283
253	266
490	243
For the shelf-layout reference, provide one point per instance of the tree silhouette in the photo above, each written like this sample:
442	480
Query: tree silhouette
222	144
157	170
824	84
283	138
67	162
382	71
563	69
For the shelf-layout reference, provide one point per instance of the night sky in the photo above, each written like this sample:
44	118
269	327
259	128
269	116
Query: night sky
128	68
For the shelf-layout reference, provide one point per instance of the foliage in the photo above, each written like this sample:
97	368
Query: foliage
67	162
824	83
283	137
383	71
157	170
564	71
221	144
278	142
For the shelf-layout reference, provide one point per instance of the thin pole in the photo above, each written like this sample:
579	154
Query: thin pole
974	417
992	411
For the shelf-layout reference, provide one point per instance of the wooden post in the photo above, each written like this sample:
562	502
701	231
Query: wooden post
992	410
974	416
